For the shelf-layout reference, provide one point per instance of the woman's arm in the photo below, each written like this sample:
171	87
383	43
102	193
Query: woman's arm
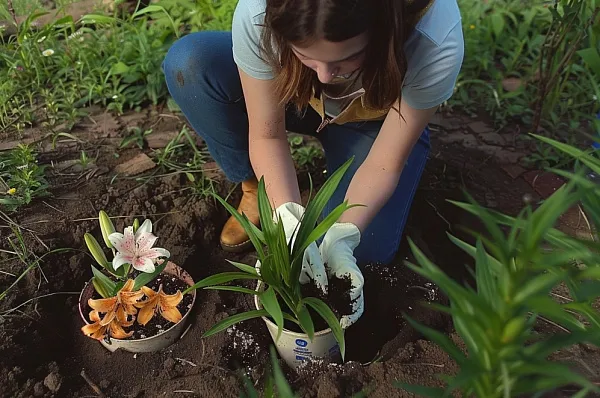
269	149
377	178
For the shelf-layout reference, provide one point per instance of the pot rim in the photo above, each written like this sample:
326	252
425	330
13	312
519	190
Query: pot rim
284	330
88	283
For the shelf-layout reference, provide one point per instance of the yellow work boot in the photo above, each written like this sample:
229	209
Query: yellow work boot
233	237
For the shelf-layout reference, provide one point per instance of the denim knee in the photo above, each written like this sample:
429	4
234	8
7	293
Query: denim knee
201	63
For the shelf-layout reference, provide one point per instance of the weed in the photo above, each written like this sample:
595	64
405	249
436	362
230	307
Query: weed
304	155
21	178
136	135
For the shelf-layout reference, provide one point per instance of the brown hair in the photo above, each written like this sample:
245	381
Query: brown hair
387	22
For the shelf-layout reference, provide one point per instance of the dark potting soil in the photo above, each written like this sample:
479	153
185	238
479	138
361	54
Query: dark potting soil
157	324
337	298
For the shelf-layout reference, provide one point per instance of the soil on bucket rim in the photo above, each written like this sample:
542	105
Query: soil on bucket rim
42	349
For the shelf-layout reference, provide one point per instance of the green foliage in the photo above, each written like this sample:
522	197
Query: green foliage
507	39
281	263
21	178
514	276
304	154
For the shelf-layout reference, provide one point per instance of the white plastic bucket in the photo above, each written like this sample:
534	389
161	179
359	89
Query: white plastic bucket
296	348
149	344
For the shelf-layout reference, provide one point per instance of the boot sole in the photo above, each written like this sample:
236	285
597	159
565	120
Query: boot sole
241	247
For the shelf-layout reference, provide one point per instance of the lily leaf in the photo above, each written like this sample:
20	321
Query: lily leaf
327	314
232	320
108	286
219	279
144	278
268	299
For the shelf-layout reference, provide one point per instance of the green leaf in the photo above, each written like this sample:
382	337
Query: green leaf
538	285
306	322
498	24
150	9
104	281
283	387
232	320
234	289
592	58
97	19
119	68
144	278
486	283
220	279
547	307
268	299
429	392
246	224
243	267
327	314
100	288
314	209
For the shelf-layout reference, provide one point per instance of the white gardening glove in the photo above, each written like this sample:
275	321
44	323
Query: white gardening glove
312	264
337	253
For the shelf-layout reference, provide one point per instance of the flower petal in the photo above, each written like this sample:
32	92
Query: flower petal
109	317
103	305
171	314
117	331
144	264
146	227
129	298
95	331
148	292
124	243
144	241
155	252
94	316
128	286
121	259
146	313
170	300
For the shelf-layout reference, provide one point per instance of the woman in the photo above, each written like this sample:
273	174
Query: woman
364	76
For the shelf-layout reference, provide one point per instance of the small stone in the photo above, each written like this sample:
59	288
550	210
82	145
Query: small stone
511	84
136	165
160	139
38	389
480	127
53	381
169	363
513	170
104	384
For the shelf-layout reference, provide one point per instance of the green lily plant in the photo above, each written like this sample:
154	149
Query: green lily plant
281	264
131	250
515	272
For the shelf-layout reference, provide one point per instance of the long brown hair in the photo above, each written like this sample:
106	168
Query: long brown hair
387	23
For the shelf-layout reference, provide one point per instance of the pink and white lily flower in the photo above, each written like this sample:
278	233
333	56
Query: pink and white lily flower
136	249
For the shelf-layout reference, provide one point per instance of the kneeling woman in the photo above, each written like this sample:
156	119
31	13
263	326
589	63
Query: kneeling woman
364	76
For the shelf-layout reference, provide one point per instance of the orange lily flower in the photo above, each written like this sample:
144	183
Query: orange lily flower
117	311
160	302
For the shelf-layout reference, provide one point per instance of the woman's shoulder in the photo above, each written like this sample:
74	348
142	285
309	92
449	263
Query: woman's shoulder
440	20
251	8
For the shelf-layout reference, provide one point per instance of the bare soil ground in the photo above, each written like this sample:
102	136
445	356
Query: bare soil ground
42	351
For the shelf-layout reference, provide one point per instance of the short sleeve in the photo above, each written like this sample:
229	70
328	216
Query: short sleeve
433	70
246	35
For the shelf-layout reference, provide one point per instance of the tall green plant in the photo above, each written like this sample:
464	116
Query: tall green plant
514	276
281	264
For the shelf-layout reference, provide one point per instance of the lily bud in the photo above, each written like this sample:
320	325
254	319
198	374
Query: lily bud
96	250
136	225
107	227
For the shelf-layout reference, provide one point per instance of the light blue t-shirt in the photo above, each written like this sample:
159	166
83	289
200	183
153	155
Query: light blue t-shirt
434	51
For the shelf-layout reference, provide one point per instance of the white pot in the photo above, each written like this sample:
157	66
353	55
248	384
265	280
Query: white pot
295	348
149	344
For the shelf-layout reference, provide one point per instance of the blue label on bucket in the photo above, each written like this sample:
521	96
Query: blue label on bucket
301	343
300	358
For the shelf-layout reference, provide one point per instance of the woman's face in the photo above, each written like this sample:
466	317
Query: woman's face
331	59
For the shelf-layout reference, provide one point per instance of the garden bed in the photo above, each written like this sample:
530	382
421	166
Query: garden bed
44	353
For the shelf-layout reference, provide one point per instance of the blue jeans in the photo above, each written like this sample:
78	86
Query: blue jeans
203	79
